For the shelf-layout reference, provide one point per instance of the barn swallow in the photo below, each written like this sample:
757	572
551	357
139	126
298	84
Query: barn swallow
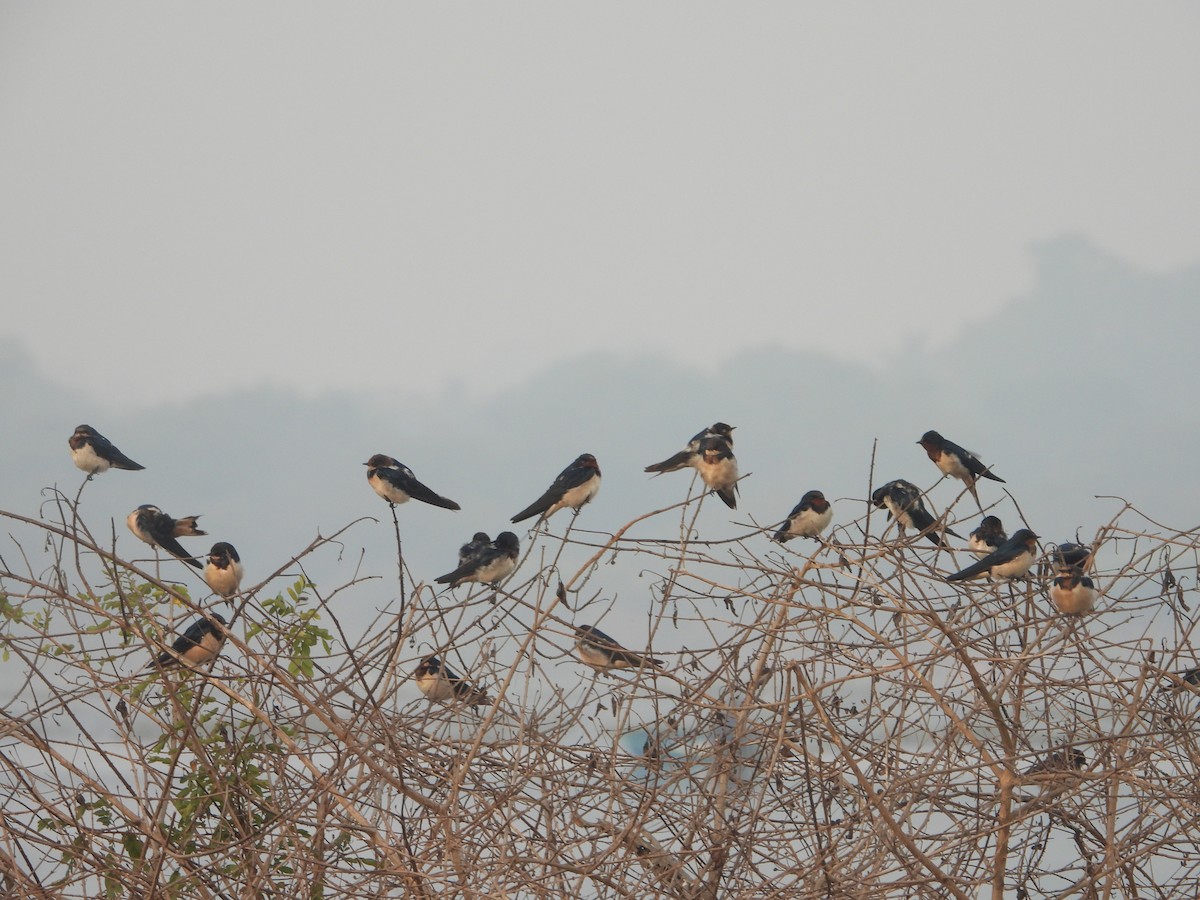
1012	559
988	537
488	564
442	684
710	453
1073	592
953	460
574	486
601	652
902	500
200	643
478	541
808	518
150	524
1071	759
223	571
93	452
686	456
395	483
1072	554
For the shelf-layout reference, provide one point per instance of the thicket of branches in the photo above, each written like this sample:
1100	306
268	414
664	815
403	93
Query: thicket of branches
833	720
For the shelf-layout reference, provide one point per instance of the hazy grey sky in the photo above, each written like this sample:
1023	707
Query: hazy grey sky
198	196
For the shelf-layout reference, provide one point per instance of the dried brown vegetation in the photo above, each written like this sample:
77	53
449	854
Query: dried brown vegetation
834	720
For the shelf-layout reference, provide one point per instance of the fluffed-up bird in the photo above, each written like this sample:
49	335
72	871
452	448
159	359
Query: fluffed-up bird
440	683
709	452
808	518
953	460
1073	592
486	564
223	571
988	537
153	526
93	452
201	643
602	652
902	500
1012	559
575	486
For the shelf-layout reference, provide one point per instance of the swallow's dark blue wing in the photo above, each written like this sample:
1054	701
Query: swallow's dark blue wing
404	479
482	558
672	464
970	461
1009	551
574	475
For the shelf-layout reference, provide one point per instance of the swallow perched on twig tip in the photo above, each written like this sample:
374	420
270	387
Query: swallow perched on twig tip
808	518
709	452
953	460
395	483
574	487
94	453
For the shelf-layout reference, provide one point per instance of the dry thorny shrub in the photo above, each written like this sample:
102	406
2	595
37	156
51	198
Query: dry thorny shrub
834	720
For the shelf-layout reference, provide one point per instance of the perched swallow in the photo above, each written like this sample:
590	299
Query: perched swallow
200	643
808	518
442	684
150	524
223	571
1071	759
395	483
574	486
1072	554
686	457
988	537
953	460
1073	592
93	452
490	563
902	500
1012	559
710	453
478	541
601	652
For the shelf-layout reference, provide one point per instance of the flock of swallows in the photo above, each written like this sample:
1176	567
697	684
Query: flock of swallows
486	561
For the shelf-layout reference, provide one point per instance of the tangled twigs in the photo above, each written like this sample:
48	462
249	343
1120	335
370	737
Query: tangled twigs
832	719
